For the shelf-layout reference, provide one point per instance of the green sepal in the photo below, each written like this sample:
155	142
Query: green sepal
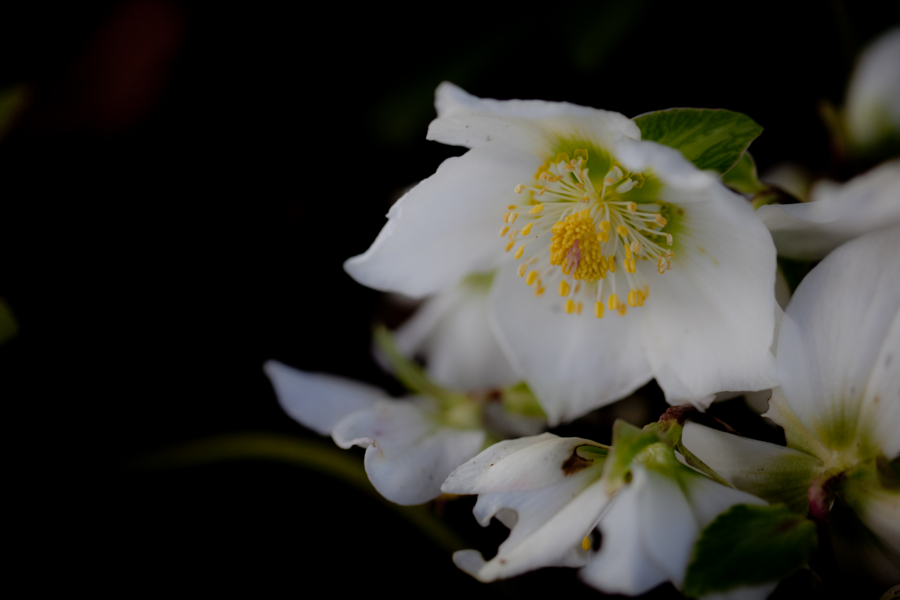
588	452
628	442
518	399
748	546
710	138
742	176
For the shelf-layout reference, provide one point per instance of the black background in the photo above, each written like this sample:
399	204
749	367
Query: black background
178	198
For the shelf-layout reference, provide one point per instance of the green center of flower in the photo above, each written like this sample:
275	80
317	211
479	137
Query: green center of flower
593	228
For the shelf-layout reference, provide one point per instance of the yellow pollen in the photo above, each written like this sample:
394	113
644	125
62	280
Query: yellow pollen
631	298
578	308
536	209
622	310
512	235
604	263
612	263
506	216
613	302
527	229
563	288
632	207
604	226
669	239
504	230
570	306
586	543
603	236
531	277
509	246
520	188
574	247
627	254
599	310
521	270
511	207
660	220
622	230
519	252
636	247
539	291
512	217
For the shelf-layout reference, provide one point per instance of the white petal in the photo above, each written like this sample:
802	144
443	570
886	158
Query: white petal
548	507
452	331
873	97
757	592
881	514
772	472
446	227
409	453
708	324
622	566
316	400
836	213
533	126
709	499
681	178
791	177
839	340
573	363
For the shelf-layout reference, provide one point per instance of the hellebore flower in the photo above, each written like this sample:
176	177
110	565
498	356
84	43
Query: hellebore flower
835	213
872	110
552	492
619	260
411	444
839	404
451	331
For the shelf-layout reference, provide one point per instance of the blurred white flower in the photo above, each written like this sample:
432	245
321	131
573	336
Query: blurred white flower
835	213
595	219
839	403
872	109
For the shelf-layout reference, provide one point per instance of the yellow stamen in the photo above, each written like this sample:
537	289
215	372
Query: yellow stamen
509	246
574	245
527	229
622	310
531	277
578	308
669	239
519	252
520	188
539	291
570	306
563	288
536	209
622	230
521	270
612	263
660	220
613	302
586	542
632	207
627	254
636	247
599	310
604	226
512	217
504	230
506	216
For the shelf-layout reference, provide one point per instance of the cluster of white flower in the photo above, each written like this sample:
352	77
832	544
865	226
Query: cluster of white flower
626	255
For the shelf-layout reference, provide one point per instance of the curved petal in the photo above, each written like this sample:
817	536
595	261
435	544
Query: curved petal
539	488
838	341
573	363
622	565
445	227
453	333
773	473
681	178
316	400
836	213
409	454
874	90
667	528
708	324
709	499
532	126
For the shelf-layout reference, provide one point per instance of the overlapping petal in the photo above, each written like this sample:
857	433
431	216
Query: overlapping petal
873	97
836	213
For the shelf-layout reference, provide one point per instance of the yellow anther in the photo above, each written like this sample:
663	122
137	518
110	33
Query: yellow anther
622	230
563	288
519	252
539	291
603	237
661	265
630	299
612	263
536	209
632	207
631	266
582	154
531	277
660	220
512	217
512	235
604	264
506	216
636	247
622	310
586	542
613	302
504	230
562	157
604	226
669	239
599	310
511	206
570	306
627	254
521	270
577	287
520	188
578	308
527	229
585	198
574	247
509	246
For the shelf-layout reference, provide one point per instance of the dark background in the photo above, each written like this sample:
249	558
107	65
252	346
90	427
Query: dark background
178	197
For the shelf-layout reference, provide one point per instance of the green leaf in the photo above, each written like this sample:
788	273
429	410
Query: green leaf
710	138
742	176
747	546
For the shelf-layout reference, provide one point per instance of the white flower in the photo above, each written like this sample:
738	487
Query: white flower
673	274
873	98
835	213
552	492
451	331
839	403
411	444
